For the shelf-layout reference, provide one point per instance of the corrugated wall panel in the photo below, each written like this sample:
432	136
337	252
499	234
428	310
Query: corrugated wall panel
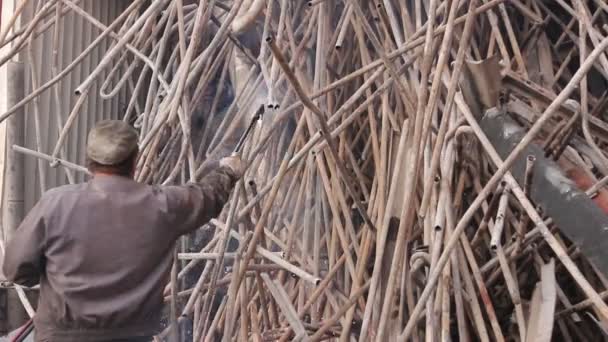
65	55
76	34
107	15
77	45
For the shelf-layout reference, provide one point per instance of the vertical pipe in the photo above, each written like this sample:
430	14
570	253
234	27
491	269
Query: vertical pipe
14	180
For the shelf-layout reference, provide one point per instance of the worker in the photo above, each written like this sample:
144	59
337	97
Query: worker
102	250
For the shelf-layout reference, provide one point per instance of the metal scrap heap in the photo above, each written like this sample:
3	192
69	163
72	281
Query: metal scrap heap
424	169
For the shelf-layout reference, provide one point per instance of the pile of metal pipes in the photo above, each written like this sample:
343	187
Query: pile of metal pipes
424	170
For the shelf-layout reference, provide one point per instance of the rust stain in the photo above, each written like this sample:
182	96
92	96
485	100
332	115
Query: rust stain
584	182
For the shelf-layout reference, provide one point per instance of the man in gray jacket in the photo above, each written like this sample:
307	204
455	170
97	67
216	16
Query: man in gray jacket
102	250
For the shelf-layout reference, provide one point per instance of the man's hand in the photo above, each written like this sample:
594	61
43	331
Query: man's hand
235	164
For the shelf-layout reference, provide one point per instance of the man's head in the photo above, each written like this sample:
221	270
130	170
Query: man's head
112	148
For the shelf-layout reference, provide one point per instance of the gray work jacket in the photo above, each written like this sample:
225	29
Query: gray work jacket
102	252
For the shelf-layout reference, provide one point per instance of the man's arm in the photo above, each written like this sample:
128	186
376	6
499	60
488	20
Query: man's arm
24	255
193	205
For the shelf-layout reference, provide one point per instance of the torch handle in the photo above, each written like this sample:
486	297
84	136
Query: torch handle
249	129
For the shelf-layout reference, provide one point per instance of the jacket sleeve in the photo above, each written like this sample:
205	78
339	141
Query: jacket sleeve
191	206
24	254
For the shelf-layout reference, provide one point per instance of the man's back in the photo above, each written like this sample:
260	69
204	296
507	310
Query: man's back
108	253
105	248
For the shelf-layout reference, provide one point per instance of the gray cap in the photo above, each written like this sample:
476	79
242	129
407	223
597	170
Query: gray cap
111	142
